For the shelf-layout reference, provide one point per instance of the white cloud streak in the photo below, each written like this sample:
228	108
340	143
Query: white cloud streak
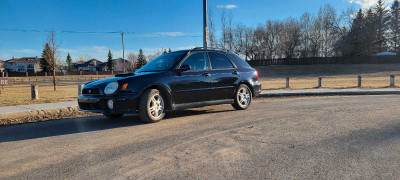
368	3
25	51
229	6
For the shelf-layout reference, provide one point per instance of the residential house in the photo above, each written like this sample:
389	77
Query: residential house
91	65
24	64
119	65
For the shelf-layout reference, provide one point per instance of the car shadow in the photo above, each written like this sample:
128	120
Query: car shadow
82	125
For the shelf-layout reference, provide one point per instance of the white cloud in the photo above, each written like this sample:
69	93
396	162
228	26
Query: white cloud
26	51
368	3
229	6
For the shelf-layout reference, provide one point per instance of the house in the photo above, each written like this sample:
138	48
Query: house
91	65
119	65
24	64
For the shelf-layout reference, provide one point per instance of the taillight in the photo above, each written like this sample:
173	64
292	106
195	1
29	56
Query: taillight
257	75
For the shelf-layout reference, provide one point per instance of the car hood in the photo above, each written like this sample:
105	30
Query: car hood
102	83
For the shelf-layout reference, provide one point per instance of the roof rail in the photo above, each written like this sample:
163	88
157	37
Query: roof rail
212	48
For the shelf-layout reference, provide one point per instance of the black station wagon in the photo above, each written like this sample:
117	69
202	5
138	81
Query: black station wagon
177	80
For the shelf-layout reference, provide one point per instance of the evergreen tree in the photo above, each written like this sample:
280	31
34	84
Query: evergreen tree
169	50
141	59
382	20
394	25
165	51
110	65
44	62
369	34
69	62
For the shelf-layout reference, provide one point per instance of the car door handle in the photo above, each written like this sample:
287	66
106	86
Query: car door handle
235	73
206	74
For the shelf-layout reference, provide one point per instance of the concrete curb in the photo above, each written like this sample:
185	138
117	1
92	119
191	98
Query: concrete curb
328	92
42	115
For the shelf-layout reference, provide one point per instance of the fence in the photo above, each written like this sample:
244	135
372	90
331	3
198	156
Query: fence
30	74
328	60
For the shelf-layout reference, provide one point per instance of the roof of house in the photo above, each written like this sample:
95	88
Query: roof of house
119	60
91	63
25	60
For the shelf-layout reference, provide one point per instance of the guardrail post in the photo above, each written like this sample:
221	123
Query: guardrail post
359	81
80	88
45	73
80	72
319	82
34	91
26	73
287	83
97	72
392	81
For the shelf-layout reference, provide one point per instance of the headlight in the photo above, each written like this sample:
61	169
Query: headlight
111	88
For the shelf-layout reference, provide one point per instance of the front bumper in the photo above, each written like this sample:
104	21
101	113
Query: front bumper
123	103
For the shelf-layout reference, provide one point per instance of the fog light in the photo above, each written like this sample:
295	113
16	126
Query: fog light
110	104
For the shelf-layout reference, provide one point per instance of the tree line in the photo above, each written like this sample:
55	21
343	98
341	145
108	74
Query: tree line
324	34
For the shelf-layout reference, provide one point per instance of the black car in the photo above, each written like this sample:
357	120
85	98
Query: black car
177	80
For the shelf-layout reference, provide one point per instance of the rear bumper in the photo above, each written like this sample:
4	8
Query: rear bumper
123	103
257	88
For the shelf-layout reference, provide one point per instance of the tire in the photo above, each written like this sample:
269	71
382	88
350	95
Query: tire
151	106
243	97
113	116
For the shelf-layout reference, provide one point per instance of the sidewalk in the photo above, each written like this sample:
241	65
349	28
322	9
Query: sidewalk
37	107
264	93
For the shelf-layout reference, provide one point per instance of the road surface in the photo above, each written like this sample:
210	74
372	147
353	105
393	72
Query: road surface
355	137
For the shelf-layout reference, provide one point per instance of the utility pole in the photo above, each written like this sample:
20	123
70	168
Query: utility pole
123	51
205	25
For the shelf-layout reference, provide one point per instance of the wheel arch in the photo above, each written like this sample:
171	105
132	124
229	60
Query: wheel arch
163	89
246	83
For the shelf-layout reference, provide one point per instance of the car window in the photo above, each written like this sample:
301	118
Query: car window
219	61
237	60
197	61
163	63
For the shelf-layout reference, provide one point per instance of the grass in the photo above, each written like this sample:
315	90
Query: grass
301	77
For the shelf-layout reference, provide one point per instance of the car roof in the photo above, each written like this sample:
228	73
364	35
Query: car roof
203	50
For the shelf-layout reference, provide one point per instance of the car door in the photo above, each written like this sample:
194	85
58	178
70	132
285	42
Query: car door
193	85
224	75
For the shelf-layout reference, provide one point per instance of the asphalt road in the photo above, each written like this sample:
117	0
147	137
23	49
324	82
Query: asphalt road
354	137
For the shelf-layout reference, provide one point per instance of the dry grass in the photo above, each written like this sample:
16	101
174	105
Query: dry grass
20	92
302	77
327	82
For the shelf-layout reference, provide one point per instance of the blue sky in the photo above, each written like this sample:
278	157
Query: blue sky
148	24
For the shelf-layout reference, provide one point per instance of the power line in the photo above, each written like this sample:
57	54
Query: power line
129	33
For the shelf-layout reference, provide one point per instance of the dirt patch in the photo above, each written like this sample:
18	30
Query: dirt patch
43	115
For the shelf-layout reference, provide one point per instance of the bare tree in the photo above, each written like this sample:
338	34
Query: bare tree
83	58
272	40
290	37
211	29
52	55
132	59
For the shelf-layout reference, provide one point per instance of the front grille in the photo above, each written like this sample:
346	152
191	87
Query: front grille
90	91
101	105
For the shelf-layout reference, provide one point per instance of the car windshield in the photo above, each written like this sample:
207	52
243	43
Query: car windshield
163	63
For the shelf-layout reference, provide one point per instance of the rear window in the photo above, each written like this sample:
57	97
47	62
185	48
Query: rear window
219	61
238	61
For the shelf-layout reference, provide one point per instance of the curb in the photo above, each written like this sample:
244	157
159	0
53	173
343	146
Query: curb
339	92
41	115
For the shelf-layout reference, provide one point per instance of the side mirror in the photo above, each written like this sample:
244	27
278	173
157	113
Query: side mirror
184	67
